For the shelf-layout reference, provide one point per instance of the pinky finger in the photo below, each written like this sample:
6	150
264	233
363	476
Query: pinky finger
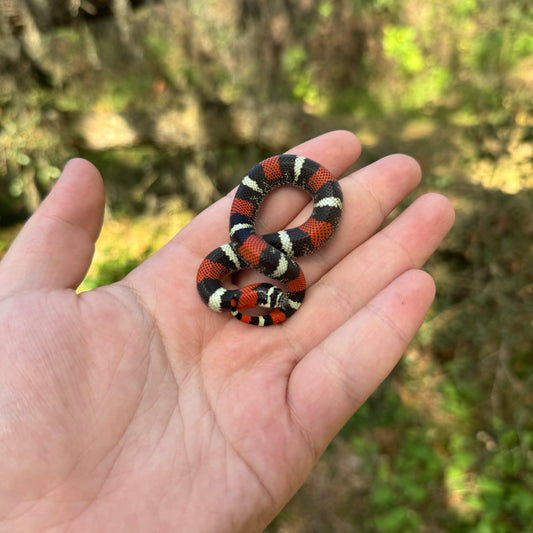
334	380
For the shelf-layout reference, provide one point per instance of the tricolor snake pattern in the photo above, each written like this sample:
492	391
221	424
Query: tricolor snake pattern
270	254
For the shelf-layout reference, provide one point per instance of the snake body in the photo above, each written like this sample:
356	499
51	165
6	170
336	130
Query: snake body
270	254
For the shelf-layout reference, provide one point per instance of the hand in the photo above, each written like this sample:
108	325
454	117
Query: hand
133	407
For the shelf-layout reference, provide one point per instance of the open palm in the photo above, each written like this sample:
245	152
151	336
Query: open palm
133	407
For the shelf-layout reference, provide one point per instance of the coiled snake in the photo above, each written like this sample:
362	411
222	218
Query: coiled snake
270	254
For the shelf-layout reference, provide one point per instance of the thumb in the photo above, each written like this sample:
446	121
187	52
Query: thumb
55	247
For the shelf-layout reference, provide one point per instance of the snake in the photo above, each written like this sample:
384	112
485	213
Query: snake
272	254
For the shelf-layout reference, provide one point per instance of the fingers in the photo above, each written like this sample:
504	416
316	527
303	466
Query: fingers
370	194
334	379
55	247
404	244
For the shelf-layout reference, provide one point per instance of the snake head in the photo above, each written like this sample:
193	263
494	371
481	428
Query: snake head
261	295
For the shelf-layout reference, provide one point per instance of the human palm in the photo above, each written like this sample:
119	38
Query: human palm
134	407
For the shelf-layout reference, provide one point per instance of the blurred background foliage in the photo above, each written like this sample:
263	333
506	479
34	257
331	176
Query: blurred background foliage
175	100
